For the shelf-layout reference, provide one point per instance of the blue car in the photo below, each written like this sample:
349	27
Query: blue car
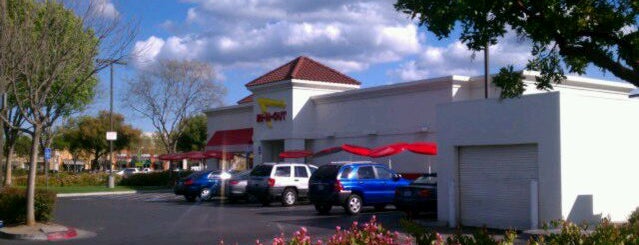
201	185
353	185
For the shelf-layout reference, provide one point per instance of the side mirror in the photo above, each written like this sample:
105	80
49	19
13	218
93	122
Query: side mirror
396	177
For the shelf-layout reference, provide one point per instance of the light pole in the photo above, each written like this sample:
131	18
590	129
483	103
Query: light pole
111	137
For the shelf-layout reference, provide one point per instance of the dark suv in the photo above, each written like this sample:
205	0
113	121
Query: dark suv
353	185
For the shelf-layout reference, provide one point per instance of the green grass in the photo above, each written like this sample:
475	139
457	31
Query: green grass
85	189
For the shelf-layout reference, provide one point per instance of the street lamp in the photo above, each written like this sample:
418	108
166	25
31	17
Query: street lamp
110	137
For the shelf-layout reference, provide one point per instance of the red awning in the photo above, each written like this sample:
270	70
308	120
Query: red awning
242	136
295	154
388	150
357	150
426	148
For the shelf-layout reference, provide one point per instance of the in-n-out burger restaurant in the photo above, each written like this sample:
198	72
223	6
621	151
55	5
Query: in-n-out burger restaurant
569	153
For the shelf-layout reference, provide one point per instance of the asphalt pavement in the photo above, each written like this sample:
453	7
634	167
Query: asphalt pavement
163	218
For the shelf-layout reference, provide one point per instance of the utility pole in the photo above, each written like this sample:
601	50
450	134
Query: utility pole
111	136
486	76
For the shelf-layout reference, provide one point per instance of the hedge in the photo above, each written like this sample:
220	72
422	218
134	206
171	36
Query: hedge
13	205
165	178
68	179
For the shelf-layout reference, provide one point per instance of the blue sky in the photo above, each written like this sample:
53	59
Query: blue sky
243	39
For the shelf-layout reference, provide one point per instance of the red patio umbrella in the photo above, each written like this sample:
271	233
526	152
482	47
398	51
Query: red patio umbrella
424	148
172	157
194	155
357	150
218	155
296	154
388	150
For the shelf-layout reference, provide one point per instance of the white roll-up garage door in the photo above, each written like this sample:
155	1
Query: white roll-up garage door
495	185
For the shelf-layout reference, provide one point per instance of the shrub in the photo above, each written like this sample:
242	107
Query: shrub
634	217
166	178
13	204
368	233
68	179
425	236
604	233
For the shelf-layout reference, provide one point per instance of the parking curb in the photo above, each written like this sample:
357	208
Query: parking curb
52	233
14	236
102	193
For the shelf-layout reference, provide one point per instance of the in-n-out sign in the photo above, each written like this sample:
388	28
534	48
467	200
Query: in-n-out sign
269	117
112	135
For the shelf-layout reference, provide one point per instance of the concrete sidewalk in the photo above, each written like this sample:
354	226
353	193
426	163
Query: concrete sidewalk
102	193
106	193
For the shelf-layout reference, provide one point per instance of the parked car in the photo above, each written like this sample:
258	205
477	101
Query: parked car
284	181
147	170
353	185
236	186
201	185
419	196
128	172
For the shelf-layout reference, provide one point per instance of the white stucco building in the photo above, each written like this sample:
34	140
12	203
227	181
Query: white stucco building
516	163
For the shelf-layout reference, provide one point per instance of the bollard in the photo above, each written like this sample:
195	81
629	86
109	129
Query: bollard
111	182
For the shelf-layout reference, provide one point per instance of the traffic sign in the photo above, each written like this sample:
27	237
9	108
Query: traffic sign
47	154
112	135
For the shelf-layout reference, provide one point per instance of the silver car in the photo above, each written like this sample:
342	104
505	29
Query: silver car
236	186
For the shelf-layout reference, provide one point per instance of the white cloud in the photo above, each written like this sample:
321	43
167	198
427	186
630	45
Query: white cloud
350	35
456	59
105	9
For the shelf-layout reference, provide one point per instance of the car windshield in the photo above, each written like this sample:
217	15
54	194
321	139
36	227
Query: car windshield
262	170
326	172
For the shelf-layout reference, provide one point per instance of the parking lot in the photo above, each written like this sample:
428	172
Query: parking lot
163	218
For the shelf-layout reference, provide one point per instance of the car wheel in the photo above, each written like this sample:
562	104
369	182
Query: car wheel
189	198
353	204
323	208
289	197
380	207
205	194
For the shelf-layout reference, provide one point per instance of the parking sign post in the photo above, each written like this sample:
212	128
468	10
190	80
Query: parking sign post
47	156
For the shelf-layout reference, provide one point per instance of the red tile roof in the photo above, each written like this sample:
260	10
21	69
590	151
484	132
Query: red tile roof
306	69
247	99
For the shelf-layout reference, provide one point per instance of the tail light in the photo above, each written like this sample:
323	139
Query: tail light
271	182
424	193
338	186
188	182
234	182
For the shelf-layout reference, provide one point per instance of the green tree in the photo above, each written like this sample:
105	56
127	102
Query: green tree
49	67
194	136
566	33
87	134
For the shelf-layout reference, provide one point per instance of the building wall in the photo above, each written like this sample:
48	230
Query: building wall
376	117
531	119
599	157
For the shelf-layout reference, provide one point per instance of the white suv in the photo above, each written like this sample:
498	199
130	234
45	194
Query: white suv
285	181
